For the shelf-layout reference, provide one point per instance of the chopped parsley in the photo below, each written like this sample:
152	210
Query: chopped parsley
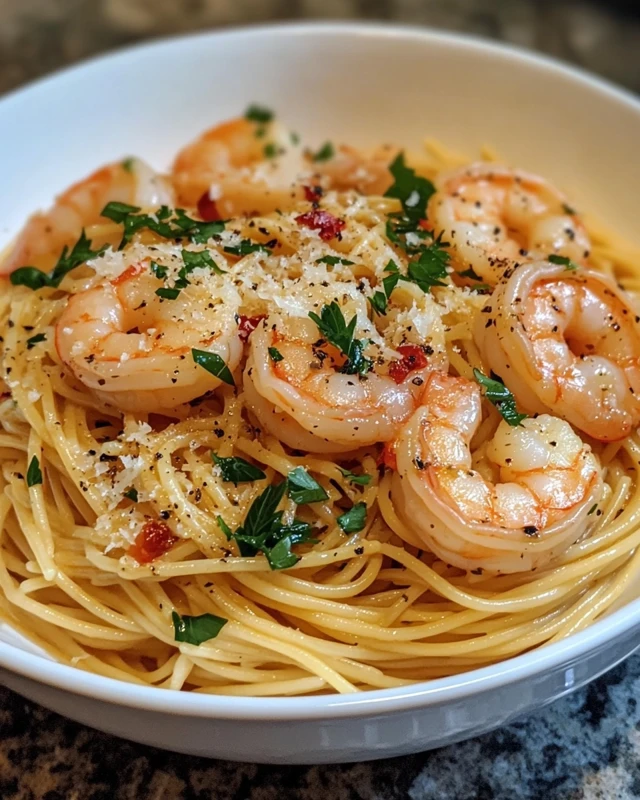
295	138
34	474
200	258
568	209
196	630
127	164
35	279
498	394
213	364
334	328
260	114
326	152
132	494
333	260
275	355
246	247
168	293
165	222
158	271
237	470
270	150
263	530
412	190
379	299
563	261
430	266
354	519
360	480
33	340
302	488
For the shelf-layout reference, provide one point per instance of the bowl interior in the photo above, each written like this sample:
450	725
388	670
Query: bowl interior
359	84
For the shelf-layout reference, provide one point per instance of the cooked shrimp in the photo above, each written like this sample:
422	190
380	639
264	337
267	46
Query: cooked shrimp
45	235
546	480
133	349
306	401
365	171
494	217
569	343
229	163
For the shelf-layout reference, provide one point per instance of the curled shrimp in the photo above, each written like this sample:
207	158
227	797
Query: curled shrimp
494	217
526	503
133	348
365	171
228	163
567	342
45	235
304	399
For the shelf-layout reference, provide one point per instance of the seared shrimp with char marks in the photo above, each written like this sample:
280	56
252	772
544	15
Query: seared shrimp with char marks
295	385
494	217
133	348
45	235
529	502
567	342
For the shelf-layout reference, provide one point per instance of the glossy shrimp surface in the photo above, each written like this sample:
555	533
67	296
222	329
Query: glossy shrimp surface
494	217
46	233
567	342
306	400
229	163
523	503
133	348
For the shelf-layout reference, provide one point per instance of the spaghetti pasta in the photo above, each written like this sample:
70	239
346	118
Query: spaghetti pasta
123	537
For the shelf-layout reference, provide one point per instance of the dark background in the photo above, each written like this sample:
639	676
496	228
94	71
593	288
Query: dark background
585	747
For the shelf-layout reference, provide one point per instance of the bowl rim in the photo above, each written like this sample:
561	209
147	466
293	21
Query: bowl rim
435	692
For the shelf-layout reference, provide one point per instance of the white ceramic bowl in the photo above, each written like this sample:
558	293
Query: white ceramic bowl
364	84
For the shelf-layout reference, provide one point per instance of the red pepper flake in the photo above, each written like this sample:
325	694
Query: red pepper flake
388	457
208	209
312	193
130	272
425	225
328	225
413	357
247	325
154	540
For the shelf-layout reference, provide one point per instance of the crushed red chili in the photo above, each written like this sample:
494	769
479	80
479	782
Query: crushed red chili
413	357
154	540
208	209
328	225
425	225
247	325
130	272
312	193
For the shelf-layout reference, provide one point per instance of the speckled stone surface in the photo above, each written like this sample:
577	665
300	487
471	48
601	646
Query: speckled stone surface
585	747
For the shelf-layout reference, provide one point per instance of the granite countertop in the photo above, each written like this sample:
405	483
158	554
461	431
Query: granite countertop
585	747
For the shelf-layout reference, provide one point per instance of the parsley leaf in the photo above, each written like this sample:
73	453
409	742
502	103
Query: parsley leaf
354	519
34	474
568	209
165	222
333	327
412	190
33	340
270	150
196	630
326	152
498	394
237	470
430	266
275	355
213	364
563	261
361	480
167	293
379	299
302	488
259	114
35	279
245	247
158	271
264	531
201	258
132	494
333	260
127	164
